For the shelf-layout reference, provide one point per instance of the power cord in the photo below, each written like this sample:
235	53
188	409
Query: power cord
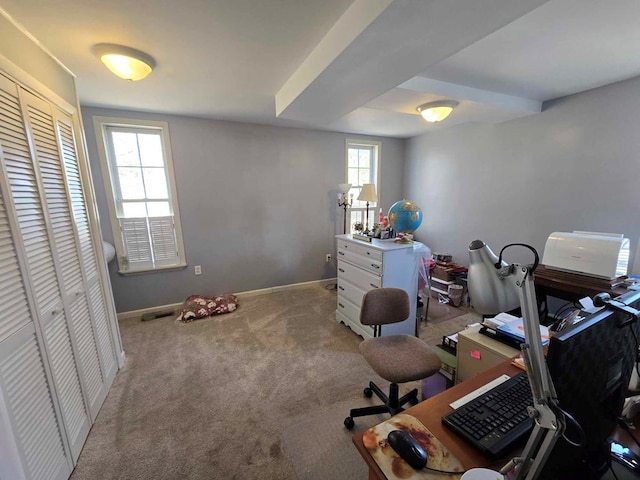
613	471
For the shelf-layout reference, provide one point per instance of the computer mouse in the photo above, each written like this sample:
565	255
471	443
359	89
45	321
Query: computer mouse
408	448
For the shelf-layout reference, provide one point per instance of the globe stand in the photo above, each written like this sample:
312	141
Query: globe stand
404	239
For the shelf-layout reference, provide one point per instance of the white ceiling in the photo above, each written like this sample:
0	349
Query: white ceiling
358	66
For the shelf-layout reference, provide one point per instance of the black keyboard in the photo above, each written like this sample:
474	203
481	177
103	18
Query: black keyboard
497	419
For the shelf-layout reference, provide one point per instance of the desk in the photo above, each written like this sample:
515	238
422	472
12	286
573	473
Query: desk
431	411
571	286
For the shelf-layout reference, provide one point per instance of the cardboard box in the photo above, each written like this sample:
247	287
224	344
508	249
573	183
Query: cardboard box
443	273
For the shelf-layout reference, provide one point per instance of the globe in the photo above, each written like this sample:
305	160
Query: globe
405	216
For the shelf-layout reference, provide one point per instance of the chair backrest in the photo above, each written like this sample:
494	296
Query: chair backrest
382	306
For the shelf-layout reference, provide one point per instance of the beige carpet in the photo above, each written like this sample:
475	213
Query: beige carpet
321	448
213	399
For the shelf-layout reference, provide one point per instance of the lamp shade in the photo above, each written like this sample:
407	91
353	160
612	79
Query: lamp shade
437	111
368	193
490	294
344	187
125	62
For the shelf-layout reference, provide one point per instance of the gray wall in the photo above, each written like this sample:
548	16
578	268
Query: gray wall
257	203
574	166
23	52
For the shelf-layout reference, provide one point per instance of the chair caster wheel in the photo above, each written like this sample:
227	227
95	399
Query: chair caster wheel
349	423
368	392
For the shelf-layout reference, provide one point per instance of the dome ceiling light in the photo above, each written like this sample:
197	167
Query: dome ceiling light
437	111
125	62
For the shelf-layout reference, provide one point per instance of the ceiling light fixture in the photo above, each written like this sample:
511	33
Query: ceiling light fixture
125	62
437	111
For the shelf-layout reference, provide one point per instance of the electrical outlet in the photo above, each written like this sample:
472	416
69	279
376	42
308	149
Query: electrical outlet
327	258
198	270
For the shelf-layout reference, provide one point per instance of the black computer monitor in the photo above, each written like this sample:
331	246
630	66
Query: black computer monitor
591	365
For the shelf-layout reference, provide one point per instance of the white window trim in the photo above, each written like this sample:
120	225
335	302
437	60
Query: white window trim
100	124
377	146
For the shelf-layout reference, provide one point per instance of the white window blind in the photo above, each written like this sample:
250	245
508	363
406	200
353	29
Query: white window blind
144	205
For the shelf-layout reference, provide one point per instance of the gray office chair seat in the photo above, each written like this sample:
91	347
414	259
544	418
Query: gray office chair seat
396	358
400	358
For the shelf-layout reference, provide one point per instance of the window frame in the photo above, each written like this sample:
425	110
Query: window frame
376	148
108	168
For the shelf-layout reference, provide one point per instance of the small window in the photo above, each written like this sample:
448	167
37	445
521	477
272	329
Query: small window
362	166
138	171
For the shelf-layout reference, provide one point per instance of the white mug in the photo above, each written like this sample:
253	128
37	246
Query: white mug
481	474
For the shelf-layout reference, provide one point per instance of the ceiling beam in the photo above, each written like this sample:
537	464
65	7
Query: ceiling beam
461	92
379	44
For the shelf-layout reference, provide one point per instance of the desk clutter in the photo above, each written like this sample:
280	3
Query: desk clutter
509	329
448	279
394	467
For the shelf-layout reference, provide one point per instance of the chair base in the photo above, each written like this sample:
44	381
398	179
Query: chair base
392	404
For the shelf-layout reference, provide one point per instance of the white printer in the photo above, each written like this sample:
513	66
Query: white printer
602	255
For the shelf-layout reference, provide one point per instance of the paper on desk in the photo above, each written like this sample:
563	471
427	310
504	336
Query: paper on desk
499	320
587	305
515	329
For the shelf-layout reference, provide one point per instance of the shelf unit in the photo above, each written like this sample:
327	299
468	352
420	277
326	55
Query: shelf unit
441	286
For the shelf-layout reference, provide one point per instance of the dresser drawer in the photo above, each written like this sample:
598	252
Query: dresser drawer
348	246
357	276
351	292
371	253
369	264
363	261
363	250
348	309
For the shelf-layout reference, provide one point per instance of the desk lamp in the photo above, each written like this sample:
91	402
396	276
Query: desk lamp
497	287
368	194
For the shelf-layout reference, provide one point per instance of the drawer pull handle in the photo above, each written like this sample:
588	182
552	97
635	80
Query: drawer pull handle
341	305
340	287
373	285
340	253
375	266
341	270
368	253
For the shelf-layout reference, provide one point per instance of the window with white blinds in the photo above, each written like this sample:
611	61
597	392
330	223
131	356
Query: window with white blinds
138	171
362	166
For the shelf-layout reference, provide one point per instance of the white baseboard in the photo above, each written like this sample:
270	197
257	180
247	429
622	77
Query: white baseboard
249	293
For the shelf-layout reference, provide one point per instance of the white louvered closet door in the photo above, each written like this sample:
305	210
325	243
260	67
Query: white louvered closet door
29	406
80	217
70	334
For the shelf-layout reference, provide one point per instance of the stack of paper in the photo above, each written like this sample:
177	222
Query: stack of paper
515	329
499	320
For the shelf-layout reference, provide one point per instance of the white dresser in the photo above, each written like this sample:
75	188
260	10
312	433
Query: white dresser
364	266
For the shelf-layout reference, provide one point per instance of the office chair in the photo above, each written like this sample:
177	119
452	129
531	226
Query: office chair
396	358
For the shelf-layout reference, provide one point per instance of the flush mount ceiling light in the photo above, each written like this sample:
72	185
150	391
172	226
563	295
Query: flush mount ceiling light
437	111
125	62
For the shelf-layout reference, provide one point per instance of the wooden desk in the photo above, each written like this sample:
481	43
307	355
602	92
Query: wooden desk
571	286
431	411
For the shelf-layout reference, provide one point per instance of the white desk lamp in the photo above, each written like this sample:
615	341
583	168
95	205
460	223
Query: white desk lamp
497	287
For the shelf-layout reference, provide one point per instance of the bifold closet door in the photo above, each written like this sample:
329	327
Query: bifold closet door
30	407
80	217
80	329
